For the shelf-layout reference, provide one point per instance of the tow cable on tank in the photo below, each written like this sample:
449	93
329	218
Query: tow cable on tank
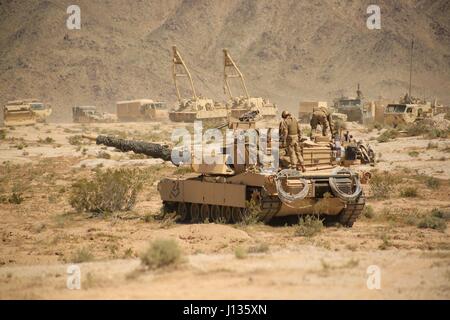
286	197
340	193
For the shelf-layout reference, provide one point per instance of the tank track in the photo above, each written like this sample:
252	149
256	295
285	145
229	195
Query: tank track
350	213
269	207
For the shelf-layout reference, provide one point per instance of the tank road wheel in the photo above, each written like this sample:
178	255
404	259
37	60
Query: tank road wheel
169	208
227	212
216	213
195	213
183	211
238	214
204	212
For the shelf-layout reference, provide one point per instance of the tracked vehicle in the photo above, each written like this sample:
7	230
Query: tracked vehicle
18	114
238	105
195	107
233	191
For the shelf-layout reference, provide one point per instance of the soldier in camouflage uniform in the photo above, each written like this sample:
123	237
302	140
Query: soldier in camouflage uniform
321	115
290	136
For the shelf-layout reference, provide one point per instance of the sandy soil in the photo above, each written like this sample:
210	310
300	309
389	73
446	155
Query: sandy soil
42	235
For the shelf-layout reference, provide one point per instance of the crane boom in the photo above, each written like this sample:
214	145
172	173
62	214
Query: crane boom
231	70
184	72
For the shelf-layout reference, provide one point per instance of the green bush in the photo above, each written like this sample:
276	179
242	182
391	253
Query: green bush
240	253
409	192
82	255
2	134
438	213
413	154
368	212
308	226
432	222
382	184
47	140
259	248
107	191
75	140
387	135
420	128
432	182
161	253
15	198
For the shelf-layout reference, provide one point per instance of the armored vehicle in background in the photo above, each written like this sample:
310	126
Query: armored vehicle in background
18	114
89	114
408	110
356	108
195	107
238	105
18	111
141	110
306	108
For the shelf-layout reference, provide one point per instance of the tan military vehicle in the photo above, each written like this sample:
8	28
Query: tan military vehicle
40	110
408	110
18	115
306	109
356	108
141	110
232	192
238	105
89	114
195	107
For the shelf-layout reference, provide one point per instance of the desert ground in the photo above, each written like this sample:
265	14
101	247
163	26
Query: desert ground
42	234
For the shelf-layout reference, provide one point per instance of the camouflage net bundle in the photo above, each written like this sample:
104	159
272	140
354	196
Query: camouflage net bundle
154	150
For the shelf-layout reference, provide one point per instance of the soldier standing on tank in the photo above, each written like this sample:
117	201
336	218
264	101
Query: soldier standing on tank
321	115
290	136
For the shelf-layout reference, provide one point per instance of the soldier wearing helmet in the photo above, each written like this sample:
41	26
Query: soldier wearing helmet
290	136
321	115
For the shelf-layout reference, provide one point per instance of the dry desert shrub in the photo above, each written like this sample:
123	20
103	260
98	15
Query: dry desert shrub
383	184
308	226
108	191
161	253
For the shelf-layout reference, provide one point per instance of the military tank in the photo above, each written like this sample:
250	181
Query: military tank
195	107
238	105
233	191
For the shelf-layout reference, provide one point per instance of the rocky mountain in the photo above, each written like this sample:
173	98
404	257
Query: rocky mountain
288	50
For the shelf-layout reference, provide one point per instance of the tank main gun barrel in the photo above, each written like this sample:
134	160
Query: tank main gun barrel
154	150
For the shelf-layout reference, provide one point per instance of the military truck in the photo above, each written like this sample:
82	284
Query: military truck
89	114
195	107
238	105
141	110
356	108
18	115
408	110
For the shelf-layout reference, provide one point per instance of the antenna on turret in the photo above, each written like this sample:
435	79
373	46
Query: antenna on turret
410	66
